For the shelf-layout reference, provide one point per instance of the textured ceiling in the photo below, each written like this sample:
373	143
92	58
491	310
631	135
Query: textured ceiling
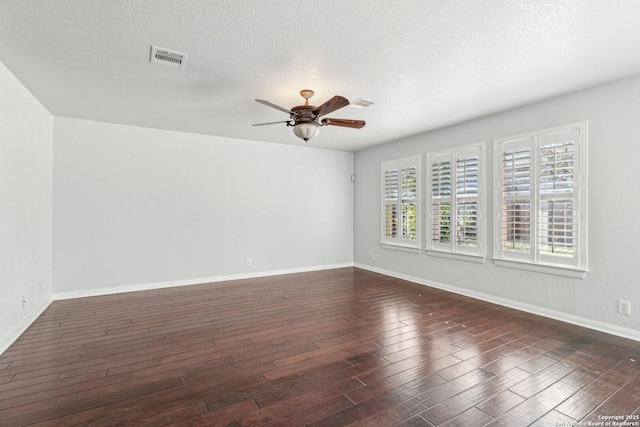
426	64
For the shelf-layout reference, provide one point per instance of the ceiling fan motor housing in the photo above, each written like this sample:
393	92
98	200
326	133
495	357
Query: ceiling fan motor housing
303	114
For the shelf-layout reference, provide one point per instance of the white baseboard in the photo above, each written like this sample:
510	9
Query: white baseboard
15	333
619	331
198	281
25	322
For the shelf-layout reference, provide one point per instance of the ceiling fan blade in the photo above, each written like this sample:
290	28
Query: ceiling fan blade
272	123
269	104
356	124
333	104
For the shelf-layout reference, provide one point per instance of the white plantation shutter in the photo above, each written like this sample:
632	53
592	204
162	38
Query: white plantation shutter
400	187
408	183
390	184
557	220
467	191
455	201
441	196
467	223
517	166
441	223
541	200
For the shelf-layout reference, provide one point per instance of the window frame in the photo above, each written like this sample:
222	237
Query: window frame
453	249
534	259
399	242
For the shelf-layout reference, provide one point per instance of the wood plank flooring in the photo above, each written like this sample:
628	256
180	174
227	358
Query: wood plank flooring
329	348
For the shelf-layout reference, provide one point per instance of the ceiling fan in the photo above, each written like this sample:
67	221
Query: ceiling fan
305	119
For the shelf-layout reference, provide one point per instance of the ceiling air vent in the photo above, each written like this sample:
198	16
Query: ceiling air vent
170	58
361	103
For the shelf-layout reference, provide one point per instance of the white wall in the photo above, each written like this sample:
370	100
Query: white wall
613	213
25	207
137	207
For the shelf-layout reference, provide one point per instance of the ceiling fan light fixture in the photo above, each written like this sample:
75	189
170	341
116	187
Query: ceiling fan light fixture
306	130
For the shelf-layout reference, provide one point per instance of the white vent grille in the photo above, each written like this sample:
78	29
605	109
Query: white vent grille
169	58
361	103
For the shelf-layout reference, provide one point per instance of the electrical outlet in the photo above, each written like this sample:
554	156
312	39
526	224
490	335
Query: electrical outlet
624	307
373	256
23	300
248	262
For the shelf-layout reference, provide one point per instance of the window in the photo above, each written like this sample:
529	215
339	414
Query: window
455	202
541	201
401	203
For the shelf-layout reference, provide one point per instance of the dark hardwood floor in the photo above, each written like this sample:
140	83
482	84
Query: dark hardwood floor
329	348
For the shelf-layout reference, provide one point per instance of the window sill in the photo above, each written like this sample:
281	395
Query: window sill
558	270
411	249
479	259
